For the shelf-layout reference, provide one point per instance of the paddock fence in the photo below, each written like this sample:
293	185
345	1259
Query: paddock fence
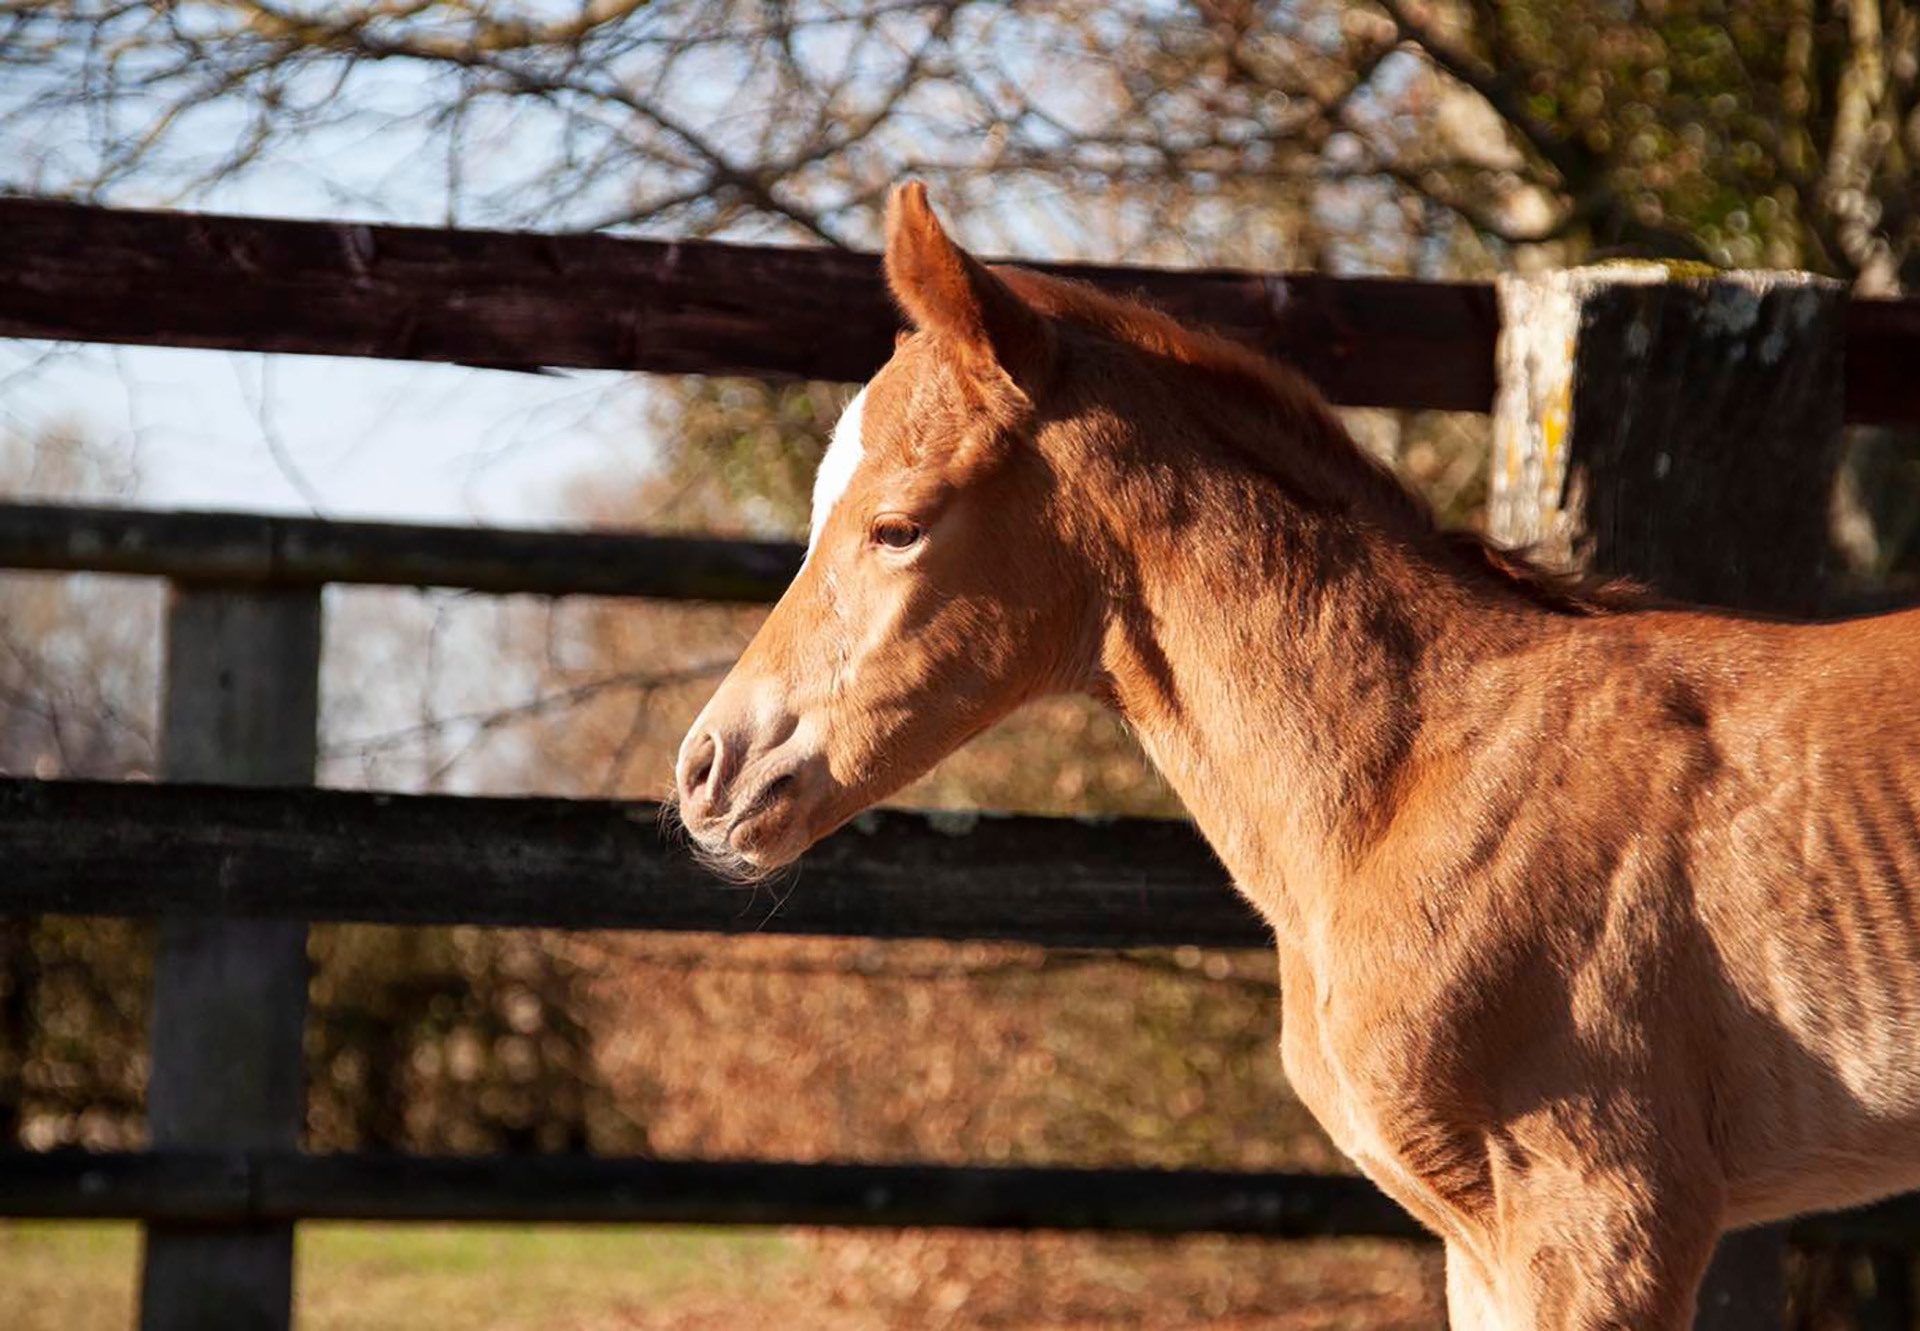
234	852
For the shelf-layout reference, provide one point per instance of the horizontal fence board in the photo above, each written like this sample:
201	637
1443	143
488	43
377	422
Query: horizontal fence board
146	851
521	300
270	550
220	1187
126	1185
525	300
212	1187
261	550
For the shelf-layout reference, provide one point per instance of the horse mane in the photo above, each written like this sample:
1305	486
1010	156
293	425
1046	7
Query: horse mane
1306	414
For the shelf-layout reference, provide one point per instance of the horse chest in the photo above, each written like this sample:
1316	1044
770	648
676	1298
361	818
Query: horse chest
1395	1130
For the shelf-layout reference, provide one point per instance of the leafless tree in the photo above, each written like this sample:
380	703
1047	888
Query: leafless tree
1781	130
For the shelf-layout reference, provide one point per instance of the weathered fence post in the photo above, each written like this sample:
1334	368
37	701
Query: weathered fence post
230	997
1681	427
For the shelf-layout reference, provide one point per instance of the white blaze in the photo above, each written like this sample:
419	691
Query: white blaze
837	467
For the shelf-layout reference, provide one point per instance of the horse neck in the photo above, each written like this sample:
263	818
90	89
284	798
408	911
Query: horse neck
1279	658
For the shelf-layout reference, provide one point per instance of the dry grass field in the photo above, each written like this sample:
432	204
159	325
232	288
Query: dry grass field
83	1277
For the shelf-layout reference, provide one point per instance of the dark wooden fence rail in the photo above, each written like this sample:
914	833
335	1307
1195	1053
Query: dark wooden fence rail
674	307
225	1186
519	300
207	1187
256	550
181	851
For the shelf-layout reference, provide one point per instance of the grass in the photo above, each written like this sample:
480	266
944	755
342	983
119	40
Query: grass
83	1277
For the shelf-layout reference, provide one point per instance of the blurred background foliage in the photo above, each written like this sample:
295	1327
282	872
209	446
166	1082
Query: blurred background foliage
1447	139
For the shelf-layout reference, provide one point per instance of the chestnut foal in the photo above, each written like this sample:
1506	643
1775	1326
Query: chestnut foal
1596	919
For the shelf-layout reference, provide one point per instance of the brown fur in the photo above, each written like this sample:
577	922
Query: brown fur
1305	422
1596	919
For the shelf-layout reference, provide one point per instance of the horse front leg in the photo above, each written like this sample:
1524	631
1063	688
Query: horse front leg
1472	1304
1625	1256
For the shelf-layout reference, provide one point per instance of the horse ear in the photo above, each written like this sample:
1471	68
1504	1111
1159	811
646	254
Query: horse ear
949	293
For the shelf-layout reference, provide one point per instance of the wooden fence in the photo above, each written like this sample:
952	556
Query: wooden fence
234	856
520	301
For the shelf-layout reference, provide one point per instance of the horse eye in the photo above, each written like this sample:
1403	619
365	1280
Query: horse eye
896	533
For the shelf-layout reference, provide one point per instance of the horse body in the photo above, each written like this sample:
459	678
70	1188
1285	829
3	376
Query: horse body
1595	919
1805	862
1640	920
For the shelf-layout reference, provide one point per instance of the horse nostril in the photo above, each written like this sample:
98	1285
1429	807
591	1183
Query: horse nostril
777	787
697	774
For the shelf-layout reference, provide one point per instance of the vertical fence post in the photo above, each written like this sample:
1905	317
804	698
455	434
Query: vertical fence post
17	977
230	996
1683	428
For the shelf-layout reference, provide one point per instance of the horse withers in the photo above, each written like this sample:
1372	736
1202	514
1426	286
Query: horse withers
1595	917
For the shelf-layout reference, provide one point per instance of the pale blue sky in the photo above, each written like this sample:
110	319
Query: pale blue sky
359	438
343	437
355	438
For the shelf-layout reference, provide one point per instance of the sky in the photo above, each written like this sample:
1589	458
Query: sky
336	437
333	436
